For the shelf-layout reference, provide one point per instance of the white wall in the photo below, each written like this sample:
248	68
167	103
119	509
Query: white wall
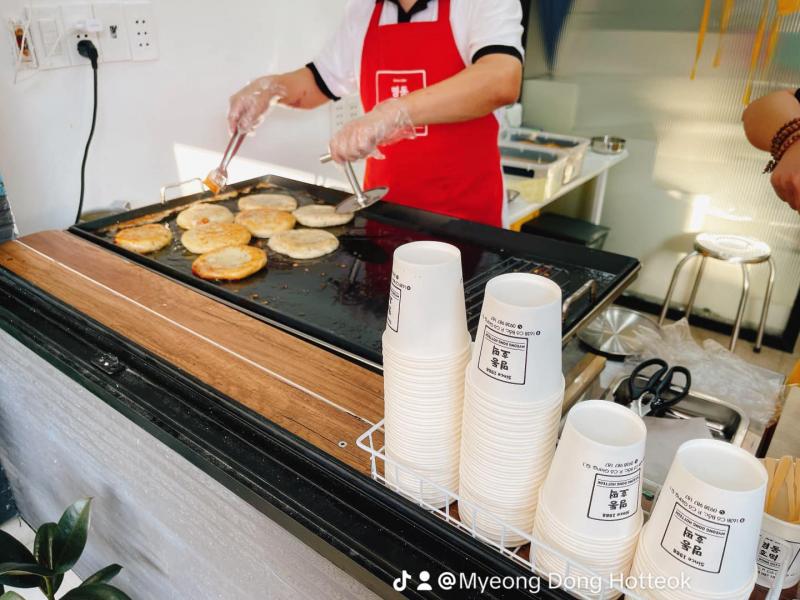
691	168
161	121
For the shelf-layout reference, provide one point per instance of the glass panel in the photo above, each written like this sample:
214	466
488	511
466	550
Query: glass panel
625	69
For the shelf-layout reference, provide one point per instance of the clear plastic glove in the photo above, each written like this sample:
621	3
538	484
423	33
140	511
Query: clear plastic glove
786	177
387	123
249	105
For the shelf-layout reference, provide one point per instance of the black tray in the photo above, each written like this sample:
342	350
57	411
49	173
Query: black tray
340	300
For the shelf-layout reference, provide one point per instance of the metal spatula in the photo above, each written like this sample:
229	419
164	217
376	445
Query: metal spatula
360	199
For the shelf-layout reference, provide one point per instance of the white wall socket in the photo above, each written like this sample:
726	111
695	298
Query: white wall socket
141	22
48	37
71	15
114	39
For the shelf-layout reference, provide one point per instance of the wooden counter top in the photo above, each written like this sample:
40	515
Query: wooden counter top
310	392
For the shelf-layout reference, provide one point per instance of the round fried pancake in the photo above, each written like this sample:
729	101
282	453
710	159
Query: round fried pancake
230	263
264	222
213	236
321	215
276	201
202	214
144	239
304	243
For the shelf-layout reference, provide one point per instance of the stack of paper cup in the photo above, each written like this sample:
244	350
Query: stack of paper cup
589	509
426	348
778	543
512	405
703	532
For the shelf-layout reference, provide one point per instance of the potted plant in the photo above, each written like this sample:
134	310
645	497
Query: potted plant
56	549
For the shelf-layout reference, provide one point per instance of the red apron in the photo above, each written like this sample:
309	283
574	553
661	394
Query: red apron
451	169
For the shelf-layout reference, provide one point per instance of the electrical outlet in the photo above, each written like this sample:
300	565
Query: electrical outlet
48	37
73	17
114	39
142	33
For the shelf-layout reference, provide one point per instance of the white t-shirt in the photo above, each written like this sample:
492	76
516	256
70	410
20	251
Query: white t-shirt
479	27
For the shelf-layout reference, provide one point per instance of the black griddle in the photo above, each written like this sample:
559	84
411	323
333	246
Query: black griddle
340	300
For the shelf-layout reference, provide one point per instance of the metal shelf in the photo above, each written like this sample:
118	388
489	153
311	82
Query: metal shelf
594	166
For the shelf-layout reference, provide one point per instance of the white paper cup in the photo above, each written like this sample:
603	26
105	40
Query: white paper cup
427	315
517	352
707	520
594	484
778	542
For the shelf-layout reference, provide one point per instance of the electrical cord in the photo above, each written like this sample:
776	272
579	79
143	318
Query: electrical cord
87	48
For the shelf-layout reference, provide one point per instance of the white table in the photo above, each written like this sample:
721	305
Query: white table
595	167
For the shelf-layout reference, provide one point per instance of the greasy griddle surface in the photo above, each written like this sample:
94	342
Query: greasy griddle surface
339	299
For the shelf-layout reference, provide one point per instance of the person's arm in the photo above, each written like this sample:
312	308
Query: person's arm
493	81
297	89
765	116
762	120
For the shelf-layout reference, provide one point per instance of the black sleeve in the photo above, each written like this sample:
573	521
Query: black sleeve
323	87
797	94
498	49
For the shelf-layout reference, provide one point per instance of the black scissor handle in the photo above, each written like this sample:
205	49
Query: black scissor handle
668	392
636	387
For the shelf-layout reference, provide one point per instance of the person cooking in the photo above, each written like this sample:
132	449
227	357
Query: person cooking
430	74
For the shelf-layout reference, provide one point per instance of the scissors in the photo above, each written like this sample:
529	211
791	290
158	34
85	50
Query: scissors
658	392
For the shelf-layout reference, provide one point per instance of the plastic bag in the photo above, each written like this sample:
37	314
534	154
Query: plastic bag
715	370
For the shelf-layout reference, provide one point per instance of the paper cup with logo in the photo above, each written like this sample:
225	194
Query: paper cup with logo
517	352
594	484
427	315
707	520
779	542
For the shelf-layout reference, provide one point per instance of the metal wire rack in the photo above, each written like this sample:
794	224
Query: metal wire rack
524	554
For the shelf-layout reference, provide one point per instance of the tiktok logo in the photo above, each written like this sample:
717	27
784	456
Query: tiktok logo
401	583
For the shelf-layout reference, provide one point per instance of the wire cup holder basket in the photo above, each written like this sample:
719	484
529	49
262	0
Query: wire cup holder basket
380	462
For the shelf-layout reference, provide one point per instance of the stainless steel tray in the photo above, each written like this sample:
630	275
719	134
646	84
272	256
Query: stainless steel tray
725	421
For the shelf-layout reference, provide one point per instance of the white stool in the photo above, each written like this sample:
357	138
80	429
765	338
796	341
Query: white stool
734	249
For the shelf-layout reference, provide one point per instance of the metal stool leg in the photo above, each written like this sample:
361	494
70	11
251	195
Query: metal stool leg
696	285
742	303
672	283
765	309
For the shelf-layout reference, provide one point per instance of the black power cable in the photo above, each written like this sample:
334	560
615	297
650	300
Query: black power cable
87	48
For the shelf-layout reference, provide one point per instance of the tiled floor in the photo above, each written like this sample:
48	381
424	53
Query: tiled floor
21	531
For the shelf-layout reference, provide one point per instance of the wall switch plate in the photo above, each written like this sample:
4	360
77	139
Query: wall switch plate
114	39
344	111
141	22
48	37
71	16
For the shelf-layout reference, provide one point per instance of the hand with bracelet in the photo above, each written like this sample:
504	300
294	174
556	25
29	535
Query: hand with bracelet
772	123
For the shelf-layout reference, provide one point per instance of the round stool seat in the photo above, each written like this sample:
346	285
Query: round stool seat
732	248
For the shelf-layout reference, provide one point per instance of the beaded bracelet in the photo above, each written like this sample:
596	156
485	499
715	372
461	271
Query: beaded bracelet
782	141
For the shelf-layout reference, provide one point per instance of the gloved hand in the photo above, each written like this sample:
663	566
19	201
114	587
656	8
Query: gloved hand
387	123
249	105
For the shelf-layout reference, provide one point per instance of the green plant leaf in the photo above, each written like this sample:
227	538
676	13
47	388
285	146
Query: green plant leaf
96	591
12	550
103	575
17	568
11	596
70	538
43	551
25	575
43	544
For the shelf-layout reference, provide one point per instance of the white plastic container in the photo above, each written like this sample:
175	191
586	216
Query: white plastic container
537	174
573	147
